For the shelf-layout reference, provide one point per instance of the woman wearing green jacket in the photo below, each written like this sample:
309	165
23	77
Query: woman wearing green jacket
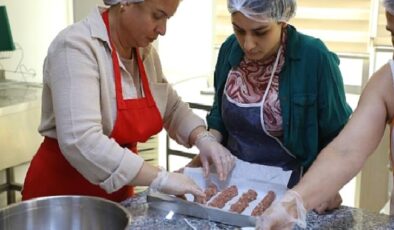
279	94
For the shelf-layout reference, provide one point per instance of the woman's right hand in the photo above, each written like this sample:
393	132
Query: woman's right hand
175	184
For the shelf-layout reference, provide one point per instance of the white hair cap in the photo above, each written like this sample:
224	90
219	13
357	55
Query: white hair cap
114	2
389	5
264	10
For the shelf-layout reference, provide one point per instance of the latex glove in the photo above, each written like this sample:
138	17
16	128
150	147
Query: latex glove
175	184
284	214
212	150
329	205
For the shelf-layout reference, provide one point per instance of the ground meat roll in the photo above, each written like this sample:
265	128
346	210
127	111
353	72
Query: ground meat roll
264	204
243	201
227	194
210	191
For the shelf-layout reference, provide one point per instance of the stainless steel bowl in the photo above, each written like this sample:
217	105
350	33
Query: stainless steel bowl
65	212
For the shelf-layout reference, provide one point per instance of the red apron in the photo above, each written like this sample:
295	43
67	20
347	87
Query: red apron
51	174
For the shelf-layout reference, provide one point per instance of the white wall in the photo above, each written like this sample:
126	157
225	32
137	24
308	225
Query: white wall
34	24
81	8
186	49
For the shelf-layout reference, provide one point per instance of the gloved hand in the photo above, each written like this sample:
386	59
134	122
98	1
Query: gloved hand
283	214
212	150
175	184
329	205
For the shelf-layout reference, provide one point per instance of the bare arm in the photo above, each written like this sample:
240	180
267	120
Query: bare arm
344	157
146	175
194	134
217	134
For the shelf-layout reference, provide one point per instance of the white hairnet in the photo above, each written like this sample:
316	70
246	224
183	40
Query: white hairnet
389	5
114	2
264	10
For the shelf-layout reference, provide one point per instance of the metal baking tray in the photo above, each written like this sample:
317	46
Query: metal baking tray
180	206
245	176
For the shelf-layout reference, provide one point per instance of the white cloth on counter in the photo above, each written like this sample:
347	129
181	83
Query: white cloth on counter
79	103
245	176
258	172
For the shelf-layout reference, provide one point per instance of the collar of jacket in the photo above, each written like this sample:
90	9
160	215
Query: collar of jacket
99	30
97	26
292	45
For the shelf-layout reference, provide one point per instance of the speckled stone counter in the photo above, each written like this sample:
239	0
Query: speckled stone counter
14	93
342	218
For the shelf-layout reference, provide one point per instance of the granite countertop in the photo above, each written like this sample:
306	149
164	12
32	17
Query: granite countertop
342	218
16	96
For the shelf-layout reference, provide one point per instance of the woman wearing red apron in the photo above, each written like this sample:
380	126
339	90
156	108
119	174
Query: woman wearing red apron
96	108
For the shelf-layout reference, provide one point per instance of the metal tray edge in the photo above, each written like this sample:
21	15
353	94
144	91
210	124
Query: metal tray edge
177	205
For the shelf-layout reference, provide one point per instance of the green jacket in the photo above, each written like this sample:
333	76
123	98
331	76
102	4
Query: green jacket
311	94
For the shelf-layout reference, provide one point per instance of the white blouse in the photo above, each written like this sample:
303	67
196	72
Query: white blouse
79	103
